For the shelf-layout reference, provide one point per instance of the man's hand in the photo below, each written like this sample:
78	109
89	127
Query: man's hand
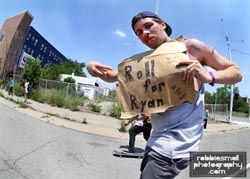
126	124
104	72
194	69
97	69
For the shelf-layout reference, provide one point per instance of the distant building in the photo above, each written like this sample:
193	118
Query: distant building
19	42
88	87
106	91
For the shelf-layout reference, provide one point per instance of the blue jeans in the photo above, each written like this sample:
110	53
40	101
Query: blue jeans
157	166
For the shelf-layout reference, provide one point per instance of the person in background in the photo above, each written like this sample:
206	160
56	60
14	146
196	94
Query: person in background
206	112
11	86
179	130
26	90
143	125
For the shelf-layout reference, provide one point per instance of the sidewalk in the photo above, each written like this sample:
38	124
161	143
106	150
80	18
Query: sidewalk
96	123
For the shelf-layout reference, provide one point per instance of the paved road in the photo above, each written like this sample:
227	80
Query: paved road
233	141
32	149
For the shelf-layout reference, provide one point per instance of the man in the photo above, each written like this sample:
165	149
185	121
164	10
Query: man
143	124
206	112
177	131
26	90
11	86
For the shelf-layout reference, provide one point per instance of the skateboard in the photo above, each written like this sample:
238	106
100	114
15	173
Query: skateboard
127	154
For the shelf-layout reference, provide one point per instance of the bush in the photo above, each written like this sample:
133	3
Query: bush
73	102
1	83
122	128
58	99
116	109
23	105
39	95
69	80
18	89
95	107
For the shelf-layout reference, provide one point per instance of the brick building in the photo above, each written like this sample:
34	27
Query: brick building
19	41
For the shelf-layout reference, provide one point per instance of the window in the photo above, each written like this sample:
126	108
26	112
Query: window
29	36
35	43
2	36
42	47
28	50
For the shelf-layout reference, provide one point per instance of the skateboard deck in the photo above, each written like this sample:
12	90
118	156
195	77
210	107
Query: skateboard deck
127	154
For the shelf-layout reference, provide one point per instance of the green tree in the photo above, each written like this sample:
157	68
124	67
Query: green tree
240	106
52	72
69	80
75	67
223	95
47	72
32	72
209	98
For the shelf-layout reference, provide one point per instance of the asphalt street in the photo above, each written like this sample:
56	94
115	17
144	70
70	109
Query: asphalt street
35	149
32	149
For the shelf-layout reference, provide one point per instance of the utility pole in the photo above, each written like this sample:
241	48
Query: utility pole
248	101
230	58
157	7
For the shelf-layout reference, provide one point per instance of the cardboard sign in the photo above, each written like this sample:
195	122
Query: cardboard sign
150	82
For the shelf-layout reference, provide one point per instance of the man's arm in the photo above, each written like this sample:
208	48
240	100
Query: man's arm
226	71
104	72
131	120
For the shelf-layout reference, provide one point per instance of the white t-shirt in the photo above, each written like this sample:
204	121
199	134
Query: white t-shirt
179	130
26	85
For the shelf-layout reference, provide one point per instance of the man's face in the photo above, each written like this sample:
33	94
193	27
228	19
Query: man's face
150	32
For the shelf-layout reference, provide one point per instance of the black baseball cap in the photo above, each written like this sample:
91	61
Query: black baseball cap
145	14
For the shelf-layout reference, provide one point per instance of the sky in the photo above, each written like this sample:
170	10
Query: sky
100	30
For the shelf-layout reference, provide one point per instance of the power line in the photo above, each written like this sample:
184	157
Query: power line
243	53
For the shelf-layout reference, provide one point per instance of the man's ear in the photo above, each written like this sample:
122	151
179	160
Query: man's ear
163	25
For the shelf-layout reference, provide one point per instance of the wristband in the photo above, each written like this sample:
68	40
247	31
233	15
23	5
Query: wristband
213	78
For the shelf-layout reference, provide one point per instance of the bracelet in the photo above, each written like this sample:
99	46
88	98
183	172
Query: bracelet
213	78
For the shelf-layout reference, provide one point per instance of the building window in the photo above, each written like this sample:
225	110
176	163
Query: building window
42	47
35	43
28	50
2	36
29	36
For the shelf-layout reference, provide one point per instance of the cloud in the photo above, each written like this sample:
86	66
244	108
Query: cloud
119	33
246	73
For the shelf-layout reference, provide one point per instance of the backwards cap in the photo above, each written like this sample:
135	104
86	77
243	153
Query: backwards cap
145	14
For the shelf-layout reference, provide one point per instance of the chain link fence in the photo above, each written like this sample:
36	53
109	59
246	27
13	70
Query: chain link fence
218	111
66	89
